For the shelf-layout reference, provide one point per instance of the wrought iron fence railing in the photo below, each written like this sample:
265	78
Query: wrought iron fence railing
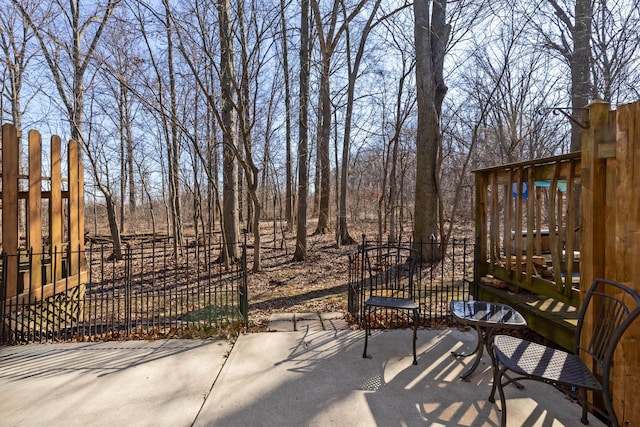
447	276
154	290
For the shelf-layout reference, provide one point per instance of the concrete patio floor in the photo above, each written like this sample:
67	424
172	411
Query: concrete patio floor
302	378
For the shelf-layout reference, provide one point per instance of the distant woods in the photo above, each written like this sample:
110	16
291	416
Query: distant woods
211	116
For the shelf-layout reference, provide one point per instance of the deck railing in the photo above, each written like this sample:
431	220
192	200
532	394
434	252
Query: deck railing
527	226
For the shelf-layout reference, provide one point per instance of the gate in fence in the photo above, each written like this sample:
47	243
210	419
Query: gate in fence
434	283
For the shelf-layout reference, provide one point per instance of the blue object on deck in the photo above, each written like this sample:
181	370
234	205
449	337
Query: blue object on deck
525	190
562	184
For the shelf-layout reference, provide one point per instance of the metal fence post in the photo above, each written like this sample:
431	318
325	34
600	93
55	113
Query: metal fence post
3	298
243	288
127	291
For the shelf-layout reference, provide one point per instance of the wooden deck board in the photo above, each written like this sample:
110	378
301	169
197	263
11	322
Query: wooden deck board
554	320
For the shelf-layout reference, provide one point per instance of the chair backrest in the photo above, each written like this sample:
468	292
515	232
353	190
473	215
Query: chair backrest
390	270
610	308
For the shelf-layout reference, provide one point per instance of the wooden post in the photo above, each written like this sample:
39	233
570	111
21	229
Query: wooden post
10	207
593	202
80	196
531	214
74	221
55	210
570	232
482	230
34	242
623	257
593	206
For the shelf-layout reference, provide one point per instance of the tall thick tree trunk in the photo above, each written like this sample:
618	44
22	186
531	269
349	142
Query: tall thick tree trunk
580	87
228	113
300	253
580	67
430	39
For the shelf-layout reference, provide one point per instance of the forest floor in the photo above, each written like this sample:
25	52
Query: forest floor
318	284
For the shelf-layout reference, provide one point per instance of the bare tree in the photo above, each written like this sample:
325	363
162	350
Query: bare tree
120	66
353	70
403	109
74	53
229	118
615	43
289	196
68	61
402	101
251	64
572	42
172	133
17	53
431	35
300	253
328	42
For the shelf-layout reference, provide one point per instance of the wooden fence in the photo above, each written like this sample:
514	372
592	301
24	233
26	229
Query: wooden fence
53	211
610	246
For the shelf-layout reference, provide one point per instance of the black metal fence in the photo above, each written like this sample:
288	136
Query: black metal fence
448	277
155	290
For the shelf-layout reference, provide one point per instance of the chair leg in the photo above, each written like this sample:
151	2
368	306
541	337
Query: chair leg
503	403
494	362
367	329
415	335
583	399
611	414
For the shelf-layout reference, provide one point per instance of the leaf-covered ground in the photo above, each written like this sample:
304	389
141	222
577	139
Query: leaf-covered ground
318	284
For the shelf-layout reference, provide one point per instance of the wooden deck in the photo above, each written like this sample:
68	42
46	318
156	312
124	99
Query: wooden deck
589	204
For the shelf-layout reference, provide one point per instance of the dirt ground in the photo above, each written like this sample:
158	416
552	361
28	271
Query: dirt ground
318	284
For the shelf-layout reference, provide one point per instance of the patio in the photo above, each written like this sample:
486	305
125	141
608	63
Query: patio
312	378
320	378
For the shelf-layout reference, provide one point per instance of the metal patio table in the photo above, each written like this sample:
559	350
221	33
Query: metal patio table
486	318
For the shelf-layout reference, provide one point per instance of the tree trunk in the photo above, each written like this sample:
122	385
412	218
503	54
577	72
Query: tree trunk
287	105
173	143
430	93
580	67
343	230
580	89
113	223
229	168
300	253
324	134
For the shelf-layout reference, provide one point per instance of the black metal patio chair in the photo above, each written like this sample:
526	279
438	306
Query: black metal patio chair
610	308
389	274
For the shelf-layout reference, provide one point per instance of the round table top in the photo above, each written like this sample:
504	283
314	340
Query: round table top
485	313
